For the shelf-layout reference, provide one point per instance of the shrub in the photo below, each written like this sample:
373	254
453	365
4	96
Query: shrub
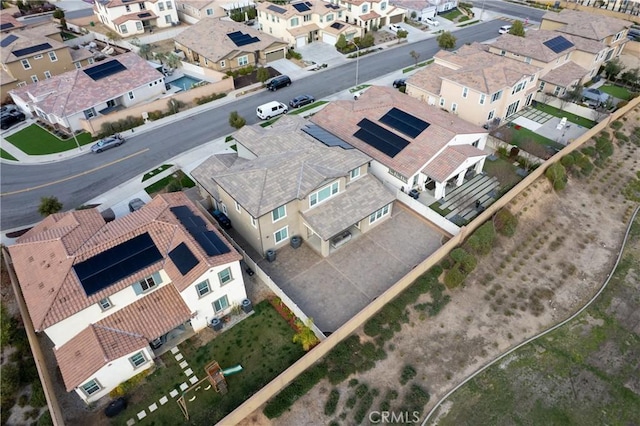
416	398
557	175
205	99
37	399
45	419
621	136
588	150
604	147
408	373
466	261
364	407
505	222
568	161
297	388
454	277
9	384
446	263
332	402
481	241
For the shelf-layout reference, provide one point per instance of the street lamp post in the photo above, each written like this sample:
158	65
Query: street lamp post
357	60
482	10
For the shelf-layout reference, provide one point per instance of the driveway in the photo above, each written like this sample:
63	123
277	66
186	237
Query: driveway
321	53
331	290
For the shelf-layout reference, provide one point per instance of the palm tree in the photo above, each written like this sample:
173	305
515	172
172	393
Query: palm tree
144	50
172	60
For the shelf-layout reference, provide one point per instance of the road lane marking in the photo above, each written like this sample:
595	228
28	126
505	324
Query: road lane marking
44	185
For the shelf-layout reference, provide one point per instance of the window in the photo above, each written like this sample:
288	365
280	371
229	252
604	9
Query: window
294	22
105	304
519	87
465	92
482	98
223	64
330	17
53	57
502	53
365	8
169	5
354	173
238	207
223	208
279	213
138	359
225	276
203	288
131	96
281	234
533	77
139	26
127	8
160	6
209	12
25	64
89	113
383	5
541	87
556	91
324	194
496	96
221	304
527	60
78	65
491	114
379	214
306	18
91	387
454	107
34	78
442	101
243	60
147	284
254	223
37	57
167	19
90	61
142	6
511	109
123	29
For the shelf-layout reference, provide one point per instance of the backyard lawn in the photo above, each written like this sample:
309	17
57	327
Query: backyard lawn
4	154
34	140
584	122
502	170
521	134
616	91
261	343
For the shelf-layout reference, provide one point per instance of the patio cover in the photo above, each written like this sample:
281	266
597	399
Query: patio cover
447	163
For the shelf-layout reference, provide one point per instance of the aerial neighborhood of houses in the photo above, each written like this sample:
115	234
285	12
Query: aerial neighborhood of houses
281	202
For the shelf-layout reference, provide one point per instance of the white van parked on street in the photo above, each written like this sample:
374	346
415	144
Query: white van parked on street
271	109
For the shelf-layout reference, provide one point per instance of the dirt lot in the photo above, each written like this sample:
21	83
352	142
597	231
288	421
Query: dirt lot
564	248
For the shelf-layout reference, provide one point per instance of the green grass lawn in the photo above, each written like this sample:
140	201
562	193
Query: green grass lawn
307	107
451	15
523	133
556	112
502	170
154	172
262	344
616	91
184	180
4	154
34	140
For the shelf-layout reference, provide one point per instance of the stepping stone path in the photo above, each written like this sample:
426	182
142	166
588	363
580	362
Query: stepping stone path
153	407
188	372
173	393
179	357
131	422
193	380
142	414
184	386
164	399
184	364
175	350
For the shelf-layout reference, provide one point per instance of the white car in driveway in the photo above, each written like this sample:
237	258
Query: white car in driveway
432	21
395	28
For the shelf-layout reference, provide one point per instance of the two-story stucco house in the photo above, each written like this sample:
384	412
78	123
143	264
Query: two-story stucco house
192	11
477	86
226	45
413	145
292	179
305	22
68	100
370	13
106	294
37	53
131	17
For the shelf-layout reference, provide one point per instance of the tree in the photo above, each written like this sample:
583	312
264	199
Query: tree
236	120
415	55
414	15
575	93
401	34
613	68
112	36
341	44
49	206
59	15
305	336
160	56
262	74
446	40
631	78
517	29
367	41
505	222
144	50
172	60
557	175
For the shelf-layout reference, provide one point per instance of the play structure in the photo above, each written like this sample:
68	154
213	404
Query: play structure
216	378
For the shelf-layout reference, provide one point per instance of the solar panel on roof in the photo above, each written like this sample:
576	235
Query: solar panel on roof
117	263
380	138
31	49
211	243
276	9
404	122
558	44
196	226
337	25
144	15
6	26
241	39
183	258
181	211
325	137
8	40
301	7
104	70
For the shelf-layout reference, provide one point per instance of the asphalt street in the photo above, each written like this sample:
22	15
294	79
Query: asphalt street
76	180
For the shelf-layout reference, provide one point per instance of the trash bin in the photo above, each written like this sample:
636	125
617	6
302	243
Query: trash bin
247	306
271	255
296	241
216	324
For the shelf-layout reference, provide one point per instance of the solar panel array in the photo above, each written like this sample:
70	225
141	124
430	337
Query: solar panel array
276	9
325	137
196	226
301	7
332	6
6	26
33	49
110	266
404	122
8	40
183	258
380	138
144	15
558	44
106	69
241	39
337	25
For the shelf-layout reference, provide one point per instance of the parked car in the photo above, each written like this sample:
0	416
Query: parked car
395	28
115	407
301	100
9	118
278	82
136	204
108	143
432	21
504	29
222	219
271	109
8	108
399	82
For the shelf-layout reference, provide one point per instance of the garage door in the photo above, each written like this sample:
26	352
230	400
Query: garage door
275	55
396	19
329	38
301	41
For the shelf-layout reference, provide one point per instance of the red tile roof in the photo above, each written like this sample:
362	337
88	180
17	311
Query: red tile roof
443	166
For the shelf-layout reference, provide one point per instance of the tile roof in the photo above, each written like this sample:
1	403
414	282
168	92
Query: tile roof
80	54
412	4
317	7
143	15
442	167
532	45
565	74
306	29
25	39
472	66
289	165
587	25
361	197
196	4
74	91
369	16
116	3
7	18
44	256
342	117
209	39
